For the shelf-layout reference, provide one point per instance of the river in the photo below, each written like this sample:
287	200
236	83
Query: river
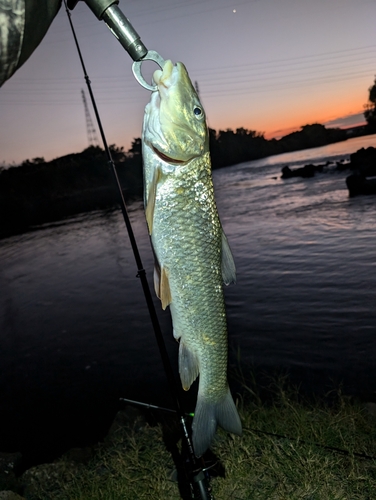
75	331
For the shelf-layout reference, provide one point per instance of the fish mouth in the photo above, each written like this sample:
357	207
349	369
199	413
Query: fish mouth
166	158
166	77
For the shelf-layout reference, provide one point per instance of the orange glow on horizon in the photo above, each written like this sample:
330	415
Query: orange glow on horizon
344	114
342	108
277	134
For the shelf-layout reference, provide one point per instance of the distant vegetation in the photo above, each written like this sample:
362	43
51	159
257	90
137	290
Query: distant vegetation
230	147
370	108
37	191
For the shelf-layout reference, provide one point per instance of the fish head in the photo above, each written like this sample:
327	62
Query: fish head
175	123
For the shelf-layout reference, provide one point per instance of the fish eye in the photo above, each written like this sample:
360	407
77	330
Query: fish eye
198	112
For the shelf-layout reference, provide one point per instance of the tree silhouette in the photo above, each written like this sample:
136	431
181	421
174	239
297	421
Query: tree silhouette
370	107
37	191
136	147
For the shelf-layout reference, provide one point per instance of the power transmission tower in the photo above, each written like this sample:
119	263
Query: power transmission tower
198	94
90	129
197	89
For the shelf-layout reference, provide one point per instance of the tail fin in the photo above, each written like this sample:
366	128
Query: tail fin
208	415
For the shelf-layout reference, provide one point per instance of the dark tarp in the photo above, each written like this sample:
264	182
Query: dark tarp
23	24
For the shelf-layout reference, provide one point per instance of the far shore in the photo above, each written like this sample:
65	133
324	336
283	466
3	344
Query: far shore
37	192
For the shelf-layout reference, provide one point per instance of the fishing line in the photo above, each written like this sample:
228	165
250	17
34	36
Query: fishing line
266	433
341	451
198	477
152	407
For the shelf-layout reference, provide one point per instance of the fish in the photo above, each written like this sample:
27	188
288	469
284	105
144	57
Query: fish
193	257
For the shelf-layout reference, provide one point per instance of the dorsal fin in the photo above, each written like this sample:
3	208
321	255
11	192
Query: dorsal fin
228	264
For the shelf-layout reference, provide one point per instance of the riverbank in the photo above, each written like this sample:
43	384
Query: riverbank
38	192
290	449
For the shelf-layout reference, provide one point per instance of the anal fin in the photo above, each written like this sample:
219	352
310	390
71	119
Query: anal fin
188	366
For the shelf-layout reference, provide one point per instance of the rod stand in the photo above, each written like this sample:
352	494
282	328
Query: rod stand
120	26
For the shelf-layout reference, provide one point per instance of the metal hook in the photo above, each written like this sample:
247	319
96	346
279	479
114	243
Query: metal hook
151	55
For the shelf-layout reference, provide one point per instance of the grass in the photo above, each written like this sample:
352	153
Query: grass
289	450
302	459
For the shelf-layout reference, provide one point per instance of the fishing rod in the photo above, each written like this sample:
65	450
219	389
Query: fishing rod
120	26
152	407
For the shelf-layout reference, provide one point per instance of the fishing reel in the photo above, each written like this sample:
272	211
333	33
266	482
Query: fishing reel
122	29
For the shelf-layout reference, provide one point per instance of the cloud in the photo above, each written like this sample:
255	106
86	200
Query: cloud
277	134
346	121
350	120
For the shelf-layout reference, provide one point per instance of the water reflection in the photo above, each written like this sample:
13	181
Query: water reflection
333	151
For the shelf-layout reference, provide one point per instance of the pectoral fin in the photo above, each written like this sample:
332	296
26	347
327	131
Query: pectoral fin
228	264
188	366
150	206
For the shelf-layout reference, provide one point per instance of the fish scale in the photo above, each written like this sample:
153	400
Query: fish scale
188	227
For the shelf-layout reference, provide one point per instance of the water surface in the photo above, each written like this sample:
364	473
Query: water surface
75	331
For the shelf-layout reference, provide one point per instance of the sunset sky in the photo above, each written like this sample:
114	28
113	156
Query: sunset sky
266	65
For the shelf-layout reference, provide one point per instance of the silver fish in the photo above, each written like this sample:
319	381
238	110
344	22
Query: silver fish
193	257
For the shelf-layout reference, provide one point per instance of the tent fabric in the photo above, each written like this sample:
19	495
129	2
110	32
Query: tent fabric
12	27
23	24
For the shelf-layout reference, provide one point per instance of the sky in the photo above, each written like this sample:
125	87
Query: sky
266	65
